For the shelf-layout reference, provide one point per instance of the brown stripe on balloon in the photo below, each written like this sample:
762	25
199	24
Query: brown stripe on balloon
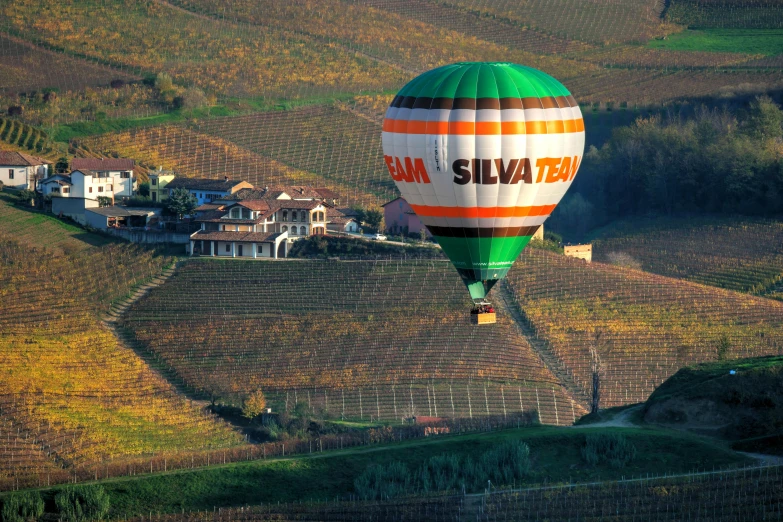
532	102
485	232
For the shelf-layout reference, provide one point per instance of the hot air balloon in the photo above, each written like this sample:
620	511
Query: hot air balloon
483	152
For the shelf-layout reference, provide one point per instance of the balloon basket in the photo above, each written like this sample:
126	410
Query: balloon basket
485	318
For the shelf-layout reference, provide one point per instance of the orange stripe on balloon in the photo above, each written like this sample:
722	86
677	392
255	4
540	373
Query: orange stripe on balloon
482	212
483	128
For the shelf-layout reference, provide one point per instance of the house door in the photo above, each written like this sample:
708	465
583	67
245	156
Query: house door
240	251
281	249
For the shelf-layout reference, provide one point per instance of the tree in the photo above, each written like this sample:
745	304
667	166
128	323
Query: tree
373	217
25	197
61	166
423	234
254	405
181	202
82	503
23	507
144	189
104	201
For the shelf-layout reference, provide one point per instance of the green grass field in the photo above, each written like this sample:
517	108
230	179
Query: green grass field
555	455
756	41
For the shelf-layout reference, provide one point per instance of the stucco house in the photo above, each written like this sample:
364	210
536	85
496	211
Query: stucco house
207	190
400	217
109	176
20	171
159	180
58	184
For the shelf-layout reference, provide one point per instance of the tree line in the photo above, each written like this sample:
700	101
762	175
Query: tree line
718	161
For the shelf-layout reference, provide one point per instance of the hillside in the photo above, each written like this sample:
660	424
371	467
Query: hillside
363	340
73	397
738	253
643	327
709	398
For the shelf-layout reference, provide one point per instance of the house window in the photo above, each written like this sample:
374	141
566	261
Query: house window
154	181
235	212
228	247
320	216
245	213
100	188
90	190
56	189
293	231
110	188
66	190
10	173
125	174
285	228
293	215
260	249
303	231
285	216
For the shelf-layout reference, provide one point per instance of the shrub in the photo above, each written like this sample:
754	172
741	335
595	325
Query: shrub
24	197
608	447
82	503
439	473
23	507
506	463
379	482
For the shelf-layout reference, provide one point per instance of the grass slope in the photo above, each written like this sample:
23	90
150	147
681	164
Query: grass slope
556	456
749	41
745	404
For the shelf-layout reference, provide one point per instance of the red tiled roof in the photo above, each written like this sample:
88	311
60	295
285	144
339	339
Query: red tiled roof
207	207
250	237
327	193
101	164
20	158
255	204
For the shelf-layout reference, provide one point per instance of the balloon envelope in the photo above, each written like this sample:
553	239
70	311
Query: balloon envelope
483	152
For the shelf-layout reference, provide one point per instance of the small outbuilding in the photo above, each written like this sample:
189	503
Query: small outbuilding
115	217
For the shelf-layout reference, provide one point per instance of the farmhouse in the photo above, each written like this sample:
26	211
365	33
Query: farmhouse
111	177
20	170
159	180
206	190
579	251
59	184
400	218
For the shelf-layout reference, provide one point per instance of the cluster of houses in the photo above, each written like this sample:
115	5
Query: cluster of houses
233	218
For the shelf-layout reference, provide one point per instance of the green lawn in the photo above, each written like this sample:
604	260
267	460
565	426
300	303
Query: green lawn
555	454
749	41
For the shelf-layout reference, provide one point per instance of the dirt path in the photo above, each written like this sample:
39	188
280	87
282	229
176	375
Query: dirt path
621	420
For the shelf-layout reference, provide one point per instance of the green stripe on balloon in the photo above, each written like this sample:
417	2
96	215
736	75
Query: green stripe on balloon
484	80
481	259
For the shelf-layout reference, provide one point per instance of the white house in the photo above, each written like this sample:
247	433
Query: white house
20	170
207	190
111	177
58	184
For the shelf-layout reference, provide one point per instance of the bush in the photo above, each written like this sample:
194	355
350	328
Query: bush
440	473
23	507
506	463
379	482
82	503
608	447
24	197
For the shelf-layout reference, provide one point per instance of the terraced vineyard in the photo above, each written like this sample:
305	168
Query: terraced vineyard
224	57
723	496
644	327
333	141
354	339
72	396
742	254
